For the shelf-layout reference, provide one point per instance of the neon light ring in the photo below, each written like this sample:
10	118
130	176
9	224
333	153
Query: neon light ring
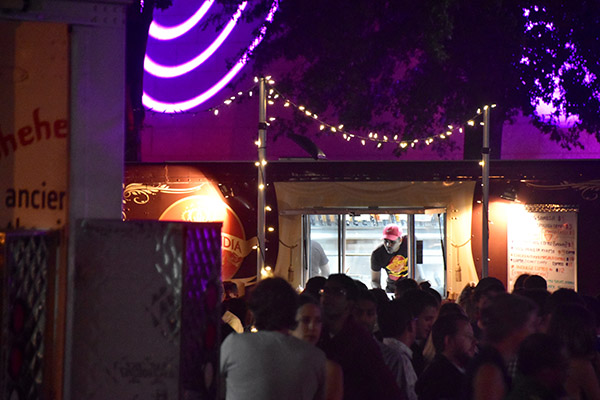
169	34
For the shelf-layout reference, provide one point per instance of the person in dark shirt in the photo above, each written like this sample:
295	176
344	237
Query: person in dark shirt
392	256
346	342
424	308
455	346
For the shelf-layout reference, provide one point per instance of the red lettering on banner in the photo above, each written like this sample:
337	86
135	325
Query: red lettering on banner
43	130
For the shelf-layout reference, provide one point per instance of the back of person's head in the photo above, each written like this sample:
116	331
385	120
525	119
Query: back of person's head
446	325
575	326
314	285
380	296
539	351
488	286
273	303
307	299
366	295
505	314
538	296
535	282
348	284
451	308
563	296
520	281
360	285
404	284
417	300
394	318
435	294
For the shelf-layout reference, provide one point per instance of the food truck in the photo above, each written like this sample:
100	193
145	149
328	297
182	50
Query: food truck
534	216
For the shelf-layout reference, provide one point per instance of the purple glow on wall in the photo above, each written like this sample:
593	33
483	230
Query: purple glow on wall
156	101
161	32
163	71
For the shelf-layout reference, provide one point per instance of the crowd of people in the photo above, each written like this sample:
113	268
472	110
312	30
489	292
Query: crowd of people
340	340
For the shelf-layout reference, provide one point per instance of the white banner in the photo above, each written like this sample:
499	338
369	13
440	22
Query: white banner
543	242
34	129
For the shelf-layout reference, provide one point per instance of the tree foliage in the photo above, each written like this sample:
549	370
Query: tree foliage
414	67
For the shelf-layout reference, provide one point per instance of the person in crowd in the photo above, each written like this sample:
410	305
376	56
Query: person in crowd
563	296
424	307
487	288
505	320
230	290
309	325
575	327
231	322
347	343
318	262
540	298
399	329
535	282
365	313
542	369
404	284
391	256
455	346
314	285
466	299
451	308
271	364
519	282
380	296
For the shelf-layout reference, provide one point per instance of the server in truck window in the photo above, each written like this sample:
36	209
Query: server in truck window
390	256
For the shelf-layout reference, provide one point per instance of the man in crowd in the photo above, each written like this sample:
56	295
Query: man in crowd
399	333
424	308
455	346
392	256
347	343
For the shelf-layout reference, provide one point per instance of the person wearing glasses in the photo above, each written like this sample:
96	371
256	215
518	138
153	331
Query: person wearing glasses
392	256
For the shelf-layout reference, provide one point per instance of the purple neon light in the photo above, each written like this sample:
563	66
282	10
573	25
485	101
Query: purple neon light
196	101
163	71
160	32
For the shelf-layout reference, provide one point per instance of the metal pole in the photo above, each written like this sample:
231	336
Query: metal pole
262	183
411	246
485	152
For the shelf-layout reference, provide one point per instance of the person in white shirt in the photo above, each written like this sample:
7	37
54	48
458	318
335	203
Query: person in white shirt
399	331
271	364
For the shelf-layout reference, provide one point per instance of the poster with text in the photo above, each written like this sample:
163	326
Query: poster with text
542	240
34	77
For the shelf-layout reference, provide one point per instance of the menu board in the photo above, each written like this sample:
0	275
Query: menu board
542	240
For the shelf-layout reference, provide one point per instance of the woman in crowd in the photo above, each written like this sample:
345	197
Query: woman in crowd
308	328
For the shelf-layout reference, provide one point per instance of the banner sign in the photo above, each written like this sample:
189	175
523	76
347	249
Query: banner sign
34	129
542	240
180	193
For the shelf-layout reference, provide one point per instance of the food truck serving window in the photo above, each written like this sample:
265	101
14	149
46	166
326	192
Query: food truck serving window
342	240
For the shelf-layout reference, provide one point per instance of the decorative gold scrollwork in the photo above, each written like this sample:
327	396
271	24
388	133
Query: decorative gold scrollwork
589	189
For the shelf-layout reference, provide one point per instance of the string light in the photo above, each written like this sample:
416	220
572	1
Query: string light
378	139
334	129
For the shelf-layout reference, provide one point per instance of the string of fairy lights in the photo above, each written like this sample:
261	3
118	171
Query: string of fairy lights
379	139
